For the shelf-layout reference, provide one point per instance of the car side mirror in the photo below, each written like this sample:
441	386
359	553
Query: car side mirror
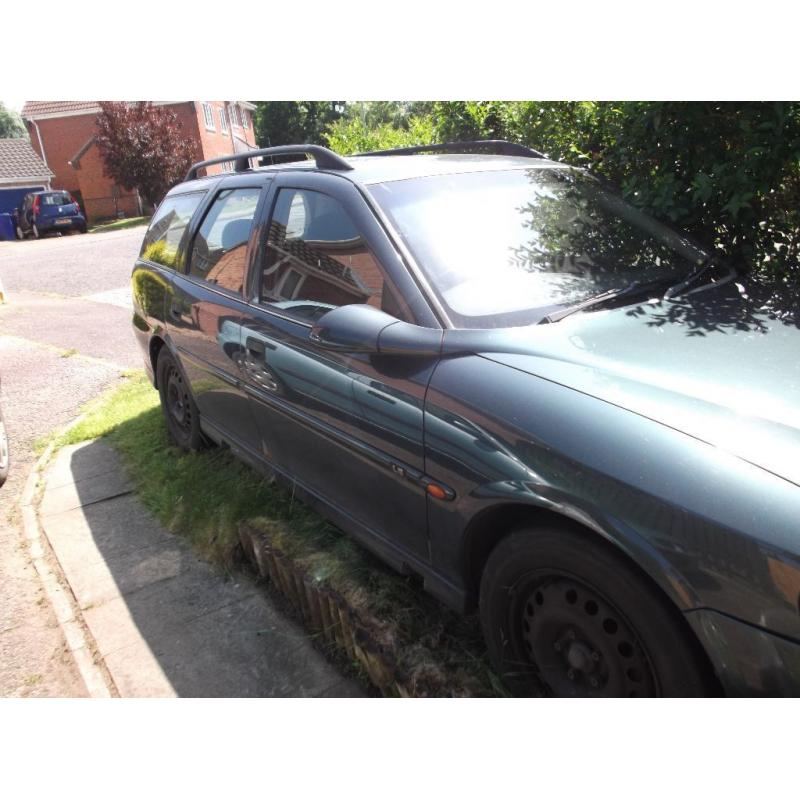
361	328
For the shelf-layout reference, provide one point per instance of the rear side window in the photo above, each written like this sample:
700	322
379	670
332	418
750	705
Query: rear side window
167	227
219	254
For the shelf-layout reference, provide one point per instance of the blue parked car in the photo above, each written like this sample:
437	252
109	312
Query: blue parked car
46	212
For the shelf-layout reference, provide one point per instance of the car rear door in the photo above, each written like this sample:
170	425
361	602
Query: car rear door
347	427
207	307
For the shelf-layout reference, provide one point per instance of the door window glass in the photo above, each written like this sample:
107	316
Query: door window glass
219	255
167	227
316	260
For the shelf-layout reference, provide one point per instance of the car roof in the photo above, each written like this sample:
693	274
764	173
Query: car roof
381	169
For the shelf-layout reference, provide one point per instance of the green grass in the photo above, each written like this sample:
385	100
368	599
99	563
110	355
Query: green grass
120	224
204	497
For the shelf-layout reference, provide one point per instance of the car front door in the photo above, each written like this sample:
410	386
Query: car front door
207	307
346	426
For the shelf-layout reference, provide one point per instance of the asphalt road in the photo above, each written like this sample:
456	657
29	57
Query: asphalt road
65	336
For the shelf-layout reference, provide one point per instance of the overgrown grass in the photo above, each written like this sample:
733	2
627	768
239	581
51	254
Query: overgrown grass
205	496
120	224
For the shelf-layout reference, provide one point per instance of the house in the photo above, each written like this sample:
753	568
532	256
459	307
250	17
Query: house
62	133
21	171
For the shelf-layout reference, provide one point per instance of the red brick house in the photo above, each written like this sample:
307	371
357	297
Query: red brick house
62	133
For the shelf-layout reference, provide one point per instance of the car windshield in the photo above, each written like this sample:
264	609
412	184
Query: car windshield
505	248
56	199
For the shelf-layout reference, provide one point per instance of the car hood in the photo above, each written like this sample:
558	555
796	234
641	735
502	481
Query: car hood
718	366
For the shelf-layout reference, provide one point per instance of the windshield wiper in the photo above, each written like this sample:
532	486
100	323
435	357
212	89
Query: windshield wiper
703	268
599	300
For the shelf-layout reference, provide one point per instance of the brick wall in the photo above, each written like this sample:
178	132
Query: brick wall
63	137
216	142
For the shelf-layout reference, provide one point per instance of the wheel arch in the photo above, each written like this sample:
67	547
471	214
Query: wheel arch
492	525
154	348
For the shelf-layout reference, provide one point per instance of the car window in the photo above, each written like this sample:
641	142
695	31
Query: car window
55	199
506	248
219	254
317	259
167	227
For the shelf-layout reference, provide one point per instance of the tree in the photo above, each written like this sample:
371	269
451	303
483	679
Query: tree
11	126
143	147
295	121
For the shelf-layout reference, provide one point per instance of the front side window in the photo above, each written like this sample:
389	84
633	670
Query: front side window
162	240
505	248
316	260
219	254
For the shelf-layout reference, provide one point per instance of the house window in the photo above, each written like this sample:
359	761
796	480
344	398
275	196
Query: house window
235	115
223	120
208	115
245	121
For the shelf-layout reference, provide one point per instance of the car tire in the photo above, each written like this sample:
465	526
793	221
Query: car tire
565	615
4	453
180	411
35	231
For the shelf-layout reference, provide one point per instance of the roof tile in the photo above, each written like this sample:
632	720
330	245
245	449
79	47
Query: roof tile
36	108
19	160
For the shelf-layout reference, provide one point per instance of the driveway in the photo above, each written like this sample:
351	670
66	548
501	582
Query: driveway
65	335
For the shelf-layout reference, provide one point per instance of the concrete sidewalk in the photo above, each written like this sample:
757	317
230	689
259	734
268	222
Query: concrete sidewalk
166	623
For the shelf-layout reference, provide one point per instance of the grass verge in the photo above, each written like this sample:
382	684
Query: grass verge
120	224
206	496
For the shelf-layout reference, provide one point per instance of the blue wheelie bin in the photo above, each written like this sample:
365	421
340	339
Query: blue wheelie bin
6	228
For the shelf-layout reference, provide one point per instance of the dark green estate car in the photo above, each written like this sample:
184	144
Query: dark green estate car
500	377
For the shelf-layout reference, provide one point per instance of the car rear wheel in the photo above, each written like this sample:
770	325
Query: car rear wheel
564	615
177	403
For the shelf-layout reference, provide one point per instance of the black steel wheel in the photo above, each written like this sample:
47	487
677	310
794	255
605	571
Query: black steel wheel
581	644
177	404
564	615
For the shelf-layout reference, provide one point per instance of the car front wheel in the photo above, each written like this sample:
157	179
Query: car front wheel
180	410
564	615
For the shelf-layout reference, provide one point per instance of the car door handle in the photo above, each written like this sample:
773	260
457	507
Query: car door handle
383	397
255	347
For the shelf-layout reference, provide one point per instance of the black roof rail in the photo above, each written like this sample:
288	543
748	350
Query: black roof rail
496	146
326	159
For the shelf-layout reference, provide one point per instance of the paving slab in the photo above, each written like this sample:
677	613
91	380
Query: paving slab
165	622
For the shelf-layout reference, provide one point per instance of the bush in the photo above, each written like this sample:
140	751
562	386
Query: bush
729	173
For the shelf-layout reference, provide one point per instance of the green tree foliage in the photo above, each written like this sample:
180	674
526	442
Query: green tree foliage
294	122
11	126
727	172
380	125
143	147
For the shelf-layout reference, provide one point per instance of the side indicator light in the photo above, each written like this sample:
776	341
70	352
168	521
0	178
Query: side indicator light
436	491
